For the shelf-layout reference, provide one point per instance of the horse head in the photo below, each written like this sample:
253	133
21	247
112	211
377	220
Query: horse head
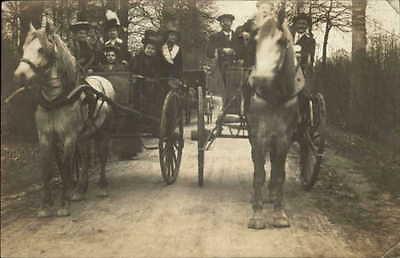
275	59
38	54
46	56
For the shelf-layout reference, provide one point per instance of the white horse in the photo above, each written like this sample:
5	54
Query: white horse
63	117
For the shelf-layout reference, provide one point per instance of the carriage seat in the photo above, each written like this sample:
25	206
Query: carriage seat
231	119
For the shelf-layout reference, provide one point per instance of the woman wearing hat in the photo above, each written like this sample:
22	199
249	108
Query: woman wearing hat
171	56
145	94
80	46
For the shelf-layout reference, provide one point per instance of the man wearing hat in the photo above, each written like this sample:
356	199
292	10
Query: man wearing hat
80	46
112	28
221	44
305	43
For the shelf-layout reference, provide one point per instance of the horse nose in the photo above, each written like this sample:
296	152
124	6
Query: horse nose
19	77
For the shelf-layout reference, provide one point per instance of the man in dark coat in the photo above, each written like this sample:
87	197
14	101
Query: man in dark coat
222	44
305	42
81	47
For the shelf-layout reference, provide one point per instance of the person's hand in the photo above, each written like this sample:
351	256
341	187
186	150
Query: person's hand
124	62
228	51
90	71
240	61
206	69
245	35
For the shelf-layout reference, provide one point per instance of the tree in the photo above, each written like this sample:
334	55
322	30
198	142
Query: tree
331	14
359	44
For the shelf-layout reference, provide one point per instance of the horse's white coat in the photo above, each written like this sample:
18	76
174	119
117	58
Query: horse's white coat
268	55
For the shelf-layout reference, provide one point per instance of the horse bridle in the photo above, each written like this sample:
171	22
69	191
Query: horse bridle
37	69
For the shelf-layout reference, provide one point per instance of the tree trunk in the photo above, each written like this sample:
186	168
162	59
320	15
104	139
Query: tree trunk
325	43
357	100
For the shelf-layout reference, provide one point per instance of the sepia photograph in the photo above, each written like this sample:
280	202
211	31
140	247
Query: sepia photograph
200	128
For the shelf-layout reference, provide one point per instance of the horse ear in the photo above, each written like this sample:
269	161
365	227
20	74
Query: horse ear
31	28
281	17
281	14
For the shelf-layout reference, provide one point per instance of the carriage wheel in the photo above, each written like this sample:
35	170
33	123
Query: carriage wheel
201	130
312	145
171	138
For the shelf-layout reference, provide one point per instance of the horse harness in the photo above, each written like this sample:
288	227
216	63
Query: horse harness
66	97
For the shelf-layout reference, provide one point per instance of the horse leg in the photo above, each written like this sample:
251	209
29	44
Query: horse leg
279	151
46	151
258	153
82	156
66	177
102	140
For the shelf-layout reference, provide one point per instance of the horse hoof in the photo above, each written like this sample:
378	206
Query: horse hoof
63	212
257	221
44	213
280	219
76	197
102	193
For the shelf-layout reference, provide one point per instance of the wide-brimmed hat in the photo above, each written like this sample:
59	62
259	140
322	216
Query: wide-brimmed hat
226	16
302	16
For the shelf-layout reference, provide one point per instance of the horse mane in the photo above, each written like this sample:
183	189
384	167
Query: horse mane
64	60
66	63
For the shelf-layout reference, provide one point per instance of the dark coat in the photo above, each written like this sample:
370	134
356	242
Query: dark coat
110	67
218	41
307	43
174	70
246	49
145	65
84	53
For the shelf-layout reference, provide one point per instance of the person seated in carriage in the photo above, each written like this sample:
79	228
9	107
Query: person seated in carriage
111	62
304	43
221	45
112	27
80	46
145	94
171	56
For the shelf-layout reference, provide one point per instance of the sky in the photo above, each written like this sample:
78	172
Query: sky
378	10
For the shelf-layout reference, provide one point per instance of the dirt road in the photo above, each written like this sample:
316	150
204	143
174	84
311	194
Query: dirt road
144	218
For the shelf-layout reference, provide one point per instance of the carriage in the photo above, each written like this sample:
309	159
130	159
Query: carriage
161	117
164	120
232	123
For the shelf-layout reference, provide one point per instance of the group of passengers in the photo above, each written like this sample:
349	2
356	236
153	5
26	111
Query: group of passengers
161	55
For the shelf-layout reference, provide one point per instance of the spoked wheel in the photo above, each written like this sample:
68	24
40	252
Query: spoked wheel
312	144
171	138
201	130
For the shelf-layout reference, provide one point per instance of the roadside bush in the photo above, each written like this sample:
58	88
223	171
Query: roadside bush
382	87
